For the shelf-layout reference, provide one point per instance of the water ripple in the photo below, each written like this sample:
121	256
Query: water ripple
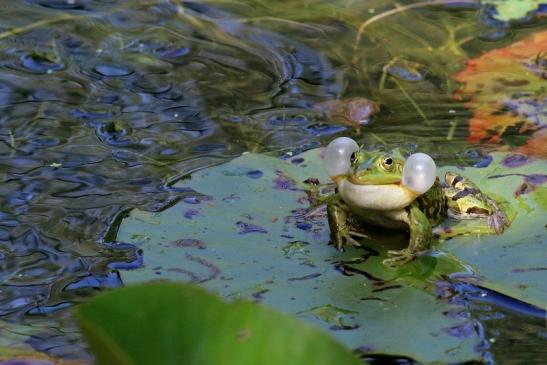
102	103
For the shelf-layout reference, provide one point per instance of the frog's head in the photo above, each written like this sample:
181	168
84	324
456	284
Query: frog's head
376	180
375	168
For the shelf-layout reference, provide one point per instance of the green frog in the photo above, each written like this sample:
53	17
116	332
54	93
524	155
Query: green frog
377	188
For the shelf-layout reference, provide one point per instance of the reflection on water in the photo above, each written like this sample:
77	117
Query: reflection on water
103	102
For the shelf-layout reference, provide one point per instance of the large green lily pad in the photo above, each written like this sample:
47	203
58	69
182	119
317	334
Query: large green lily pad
249	237
515	262
252	234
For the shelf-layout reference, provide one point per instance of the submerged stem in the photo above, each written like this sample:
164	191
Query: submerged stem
37	24
414	104
450	135
400	9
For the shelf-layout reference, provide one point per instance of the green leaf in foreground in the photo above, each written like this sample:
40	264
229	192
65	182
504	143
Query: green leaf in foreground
165	323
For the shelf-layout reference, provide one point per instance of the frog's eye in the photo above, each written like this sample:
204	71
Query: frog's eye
387	163
339	155
419	172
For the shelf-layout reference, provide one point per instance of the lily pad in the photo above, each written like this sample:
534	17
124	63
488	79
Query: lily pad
513	9
251	234
515	262
191	326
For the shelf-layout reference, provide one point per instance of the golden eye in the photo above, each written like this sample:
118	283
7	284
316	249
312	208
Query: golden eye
387	163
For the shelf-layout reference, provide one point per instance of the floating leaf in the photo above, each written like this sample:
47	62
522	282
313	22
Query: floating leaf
283	259
182	324
514	263
513	9
506	88
259	239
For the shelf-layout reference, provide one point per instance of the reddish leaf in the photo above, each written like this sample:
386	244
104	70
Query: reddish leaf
506	88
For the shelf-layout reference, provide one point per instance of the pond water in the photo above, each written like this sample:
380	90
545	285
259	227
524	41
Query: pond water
105	103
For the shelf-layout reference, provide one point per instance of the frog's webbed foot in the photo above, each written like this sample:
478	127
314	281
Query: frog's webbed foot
498	220
346	236
343	240
400	257
342	227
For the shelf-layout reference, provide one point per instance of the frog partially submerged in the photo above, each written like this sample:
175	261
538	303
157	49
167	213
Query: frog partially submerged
382	189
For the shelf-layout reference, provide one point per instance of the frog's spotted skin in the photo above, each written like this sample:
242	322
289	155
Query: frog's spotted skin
466	201
372	193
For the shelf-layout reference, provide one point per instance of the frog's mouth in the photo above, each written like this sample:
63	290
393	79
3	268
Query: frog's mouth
376	197
373	179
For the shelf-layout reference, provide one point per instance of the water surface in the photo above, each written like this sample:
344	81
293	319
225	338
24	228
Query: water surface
105	103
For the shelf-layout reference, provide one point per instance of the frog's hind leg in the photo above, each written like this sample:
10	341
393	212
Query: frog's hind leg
498	220
457	227
466	201
343	227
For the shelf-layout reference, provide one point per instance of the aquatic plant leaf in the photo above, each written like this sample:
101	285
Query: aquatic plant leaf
506	91
253	235
513	9
191	326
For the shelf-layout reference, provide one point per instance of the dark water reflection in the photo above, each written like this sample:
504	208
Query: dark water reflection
103	102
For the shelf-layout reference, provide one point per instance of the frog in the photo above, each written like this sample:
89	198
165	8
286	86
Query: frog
371	190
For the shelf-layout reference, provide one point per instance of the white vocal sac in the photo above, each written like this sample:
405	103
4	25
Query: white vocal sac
337	157
419	172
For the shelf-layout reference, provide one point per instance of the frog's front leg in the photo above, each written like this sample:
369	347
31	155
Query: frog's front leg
420	238
340	225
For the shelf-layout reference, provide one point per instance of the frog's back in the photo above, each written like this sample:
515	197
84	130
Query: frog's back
466	201
433	203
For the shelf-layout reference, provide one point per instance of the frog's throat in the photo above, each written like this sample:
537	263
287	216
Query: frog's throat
376	197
